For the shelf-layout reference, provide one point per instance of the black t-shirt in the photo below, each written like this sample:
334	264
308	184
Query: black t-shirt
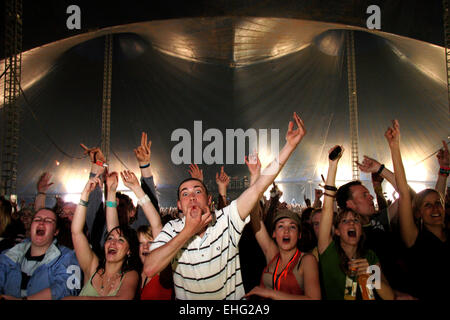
25	276
388	247
429	262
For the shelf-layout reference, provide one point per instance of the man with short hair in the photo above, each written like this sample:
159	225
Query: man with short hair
39	269
204	251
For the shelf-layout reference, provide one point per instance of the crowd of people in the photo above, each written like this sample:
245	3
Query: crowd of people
339	247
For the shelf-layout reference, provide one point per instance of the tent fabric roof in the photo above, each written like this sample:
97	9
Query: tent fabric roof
230	72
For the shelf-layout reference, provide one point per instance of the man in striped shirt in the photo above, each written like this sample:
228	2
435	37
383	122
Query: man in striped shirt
204	255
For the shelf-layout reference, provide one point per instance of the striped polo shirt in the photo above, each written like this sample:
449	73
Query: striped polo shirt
208	268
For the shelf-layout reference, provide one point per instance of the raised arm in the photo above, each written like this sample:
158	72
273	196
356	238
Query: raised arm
130	181
444	163
97	160
42	188
86	257
318	193
143	155
408	228
249	197
112	217
266	243
326	221
378	188
222	181
195	172
370	165
254	167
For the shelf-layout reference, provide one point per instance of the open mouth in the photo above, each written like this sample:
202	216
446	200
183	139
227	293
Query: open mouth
351	233
145	253
286	239
112	251
40	232
436	215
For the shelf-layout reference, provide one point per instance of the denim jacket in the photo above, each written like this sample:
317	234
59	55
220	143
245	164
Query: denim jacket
59	271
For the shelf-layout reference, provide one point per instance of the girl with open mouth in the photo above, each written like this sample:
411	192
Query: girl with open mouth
290	274
342	256
114	276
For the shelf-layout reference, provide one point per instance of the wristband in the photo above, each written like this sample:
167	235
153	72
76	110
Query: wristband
83	203
330	188
329	195
381	169
100	163
143	200
145	166
444	171
111	204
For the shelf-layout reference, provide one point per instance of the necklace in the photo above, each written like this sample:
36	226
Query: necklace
110	283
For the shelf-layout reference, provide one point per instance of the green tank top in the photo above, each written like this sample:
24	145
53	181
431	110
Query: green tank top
89	290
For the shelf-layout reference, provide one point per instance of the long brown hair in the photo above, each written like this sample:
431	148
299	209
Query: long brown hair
360	251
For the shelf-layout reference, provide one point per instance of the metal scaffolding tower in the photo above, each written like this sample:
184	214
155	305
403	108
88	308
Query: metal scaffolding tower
106	105
11	113
352	102
447	45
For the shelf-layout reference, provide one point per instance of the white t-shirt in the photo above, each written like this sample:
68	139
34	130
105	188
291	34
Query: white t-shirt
208	268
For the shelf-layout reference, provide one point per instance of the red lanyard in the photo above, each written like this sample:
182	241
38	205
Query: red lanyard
276	280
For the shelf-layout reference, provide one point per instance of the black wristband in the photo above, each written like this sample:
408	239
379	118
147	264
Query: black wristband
145	166
381	169
330	188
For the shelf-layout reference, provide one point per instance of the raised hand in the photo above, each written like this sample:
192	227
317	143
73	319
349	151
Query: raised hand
195	172
336	160
129	179
112	181
95	154
369	165
253	164
143	152
293	137
91	184
318	193
44	182
392	134
223	179
443	156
